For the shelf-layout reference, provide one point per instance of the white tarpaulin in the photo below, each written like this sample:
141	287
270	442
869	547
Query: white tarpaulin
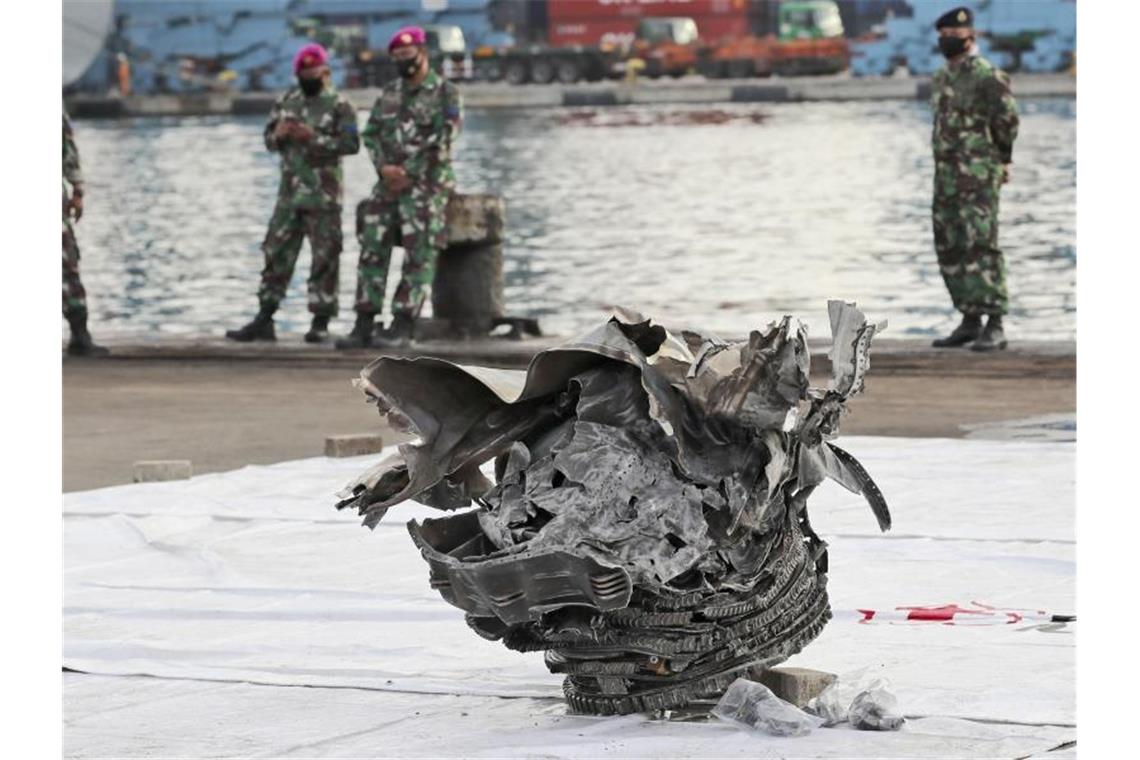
239	583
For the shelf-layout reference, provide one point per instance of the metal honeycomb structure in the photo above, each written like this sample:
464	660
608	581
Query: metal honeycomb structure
646	526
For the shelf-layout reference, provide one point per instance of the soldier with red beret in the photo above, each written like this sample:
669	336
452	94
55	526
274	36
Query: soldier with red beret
311	126
409	137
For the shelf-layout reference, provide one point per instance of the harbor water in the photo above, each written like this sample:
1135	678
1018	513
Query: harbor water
723	218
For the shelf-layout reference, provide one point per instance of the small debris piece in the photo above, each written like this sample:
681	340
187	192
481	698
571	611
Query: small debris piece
834	702
753	705
353	445
157	470
876	709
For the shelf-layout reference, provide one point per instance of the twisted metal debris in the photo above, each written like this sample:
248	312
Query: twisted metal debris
647	525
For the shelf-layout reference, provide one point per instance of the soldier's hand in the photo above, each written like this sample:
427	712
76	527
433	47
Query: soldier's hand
395	178
76	205
1006	173
301	132
281	131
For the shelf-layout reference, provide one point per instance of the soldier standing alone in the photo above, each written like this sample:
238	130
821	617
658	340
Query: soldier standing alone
311	126
975	124
74	295
409	136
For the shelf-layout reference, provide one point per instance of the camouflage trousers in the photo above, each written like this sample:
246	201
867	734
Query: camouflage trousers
287	230
416	221
74	296
965	213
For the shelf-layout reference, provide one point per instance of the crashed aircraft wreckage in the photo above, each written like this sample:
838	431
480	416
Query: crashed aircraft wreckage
647	525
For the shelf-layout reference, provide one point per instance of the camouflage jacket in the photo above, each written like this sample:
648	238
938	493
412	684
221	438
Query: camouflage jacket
975	115
415	127
311	174
71	173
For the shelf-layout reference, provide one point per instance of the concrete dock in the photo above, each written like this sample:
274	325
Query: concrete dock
686	91
223	405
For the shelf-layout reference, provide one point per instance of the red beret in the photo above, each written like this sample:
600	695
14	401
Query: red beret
308	56
409	35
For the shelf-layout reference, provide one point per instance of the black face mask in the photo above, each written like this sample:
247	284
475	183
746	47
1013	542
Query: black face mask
409	67
311	86
953	46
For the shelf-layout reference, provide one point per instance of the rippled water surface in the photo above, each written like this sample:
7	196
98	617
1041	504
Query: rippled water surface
724	225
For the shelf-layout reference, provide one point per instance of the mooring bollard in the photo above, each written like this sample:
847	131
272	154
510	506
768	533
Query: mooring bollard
467	293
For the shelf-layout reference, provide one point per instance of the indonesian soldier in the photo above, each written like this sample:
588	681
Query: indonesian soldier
409	137
975	124
74	296
311	126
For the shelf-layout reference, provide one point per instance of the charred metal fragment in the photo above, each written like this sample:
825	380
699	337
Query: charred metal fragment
646	526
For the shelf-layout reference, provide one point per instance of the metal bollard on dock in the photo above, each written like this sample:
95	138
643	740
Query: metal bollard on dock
467	294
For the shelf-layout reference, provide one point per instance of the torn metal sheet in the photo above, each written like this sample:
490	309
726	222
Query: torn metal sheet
647	524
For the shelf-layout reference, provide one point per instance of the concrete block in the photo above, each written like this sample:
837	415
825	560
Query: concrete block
251	105
796	685
353	445
579	98
759	93
155	470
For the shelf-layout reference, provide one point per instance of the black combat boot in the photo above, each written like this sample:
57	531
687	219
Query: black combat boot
261	328
992	337
318	330
361	335
399	335
81	343
964	333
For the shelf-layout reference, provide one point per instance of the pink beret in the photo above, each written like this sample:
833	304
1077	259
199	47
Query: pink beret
409	35
308	56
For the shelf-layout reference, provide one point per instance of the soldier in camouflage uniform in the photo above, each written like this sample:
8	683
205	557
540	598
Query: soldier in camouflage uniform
74	296
311	126
975	124
408	137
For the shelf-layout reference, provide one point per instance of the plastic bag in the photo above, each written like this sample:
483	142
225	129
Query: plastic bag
833	703
753	705
875	709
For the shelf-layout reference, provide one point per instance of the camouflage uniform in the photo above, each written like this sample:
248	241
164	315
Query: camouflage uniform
412	127
975	124
309	197
74	296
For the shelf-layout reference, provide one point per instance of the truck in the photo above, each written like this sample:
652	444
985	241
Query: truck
717	43
447	53
809	41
